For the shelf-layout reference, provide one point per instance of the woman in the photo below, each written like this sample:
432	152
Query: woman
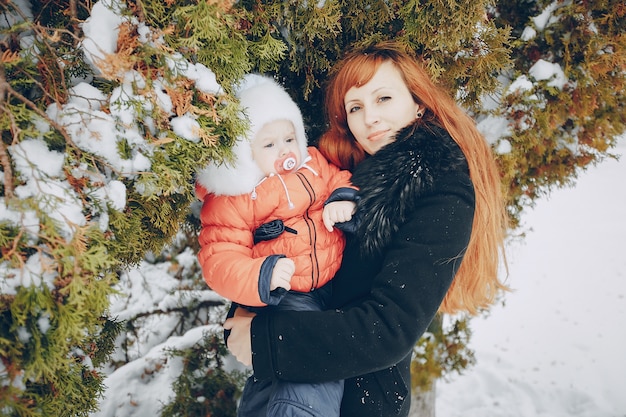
431	210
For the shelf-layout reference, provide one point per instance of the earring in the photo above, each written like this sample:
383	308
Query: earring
419	114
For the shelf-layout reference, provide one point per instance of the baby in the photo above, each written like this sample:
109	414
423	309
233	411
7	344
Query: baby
269	230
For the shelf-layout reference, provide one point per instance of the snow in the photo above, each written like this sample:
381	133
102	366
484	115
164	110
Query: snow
493	128
544	70
145	385
185	126
41	169
101	30
556	346
545	17
522	83
36	272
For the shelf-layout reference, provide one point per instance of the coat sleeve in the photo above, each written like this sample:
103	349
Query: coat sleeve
225	255
381	328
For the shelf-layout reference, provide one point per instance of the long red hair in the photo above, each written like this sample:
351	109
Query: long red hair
476	284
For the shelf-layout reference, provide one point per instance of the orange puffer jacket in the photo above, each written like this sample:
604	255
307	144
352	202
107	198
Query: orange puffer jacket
237	268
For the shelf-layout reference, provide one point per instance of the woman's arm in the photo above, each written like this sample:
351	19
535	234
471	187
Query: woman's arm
381	328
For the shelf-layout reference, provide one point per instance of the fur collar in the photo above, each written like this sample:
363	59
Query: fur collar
392	181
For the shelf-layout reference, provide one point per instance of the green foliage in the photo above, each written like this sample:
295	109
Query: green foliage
556	132
210	33
466	57
462	47
55	333
204	388
441	351
50	328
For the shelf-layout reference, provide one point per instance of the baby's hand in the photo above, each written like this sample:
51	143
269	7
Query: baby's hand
282	273
338	212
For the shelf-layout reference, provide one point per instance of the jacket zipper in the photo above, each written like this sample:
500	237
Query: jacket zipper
315	269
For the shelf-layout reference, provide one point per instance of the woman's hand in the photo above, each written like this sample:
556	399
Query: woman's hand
239	342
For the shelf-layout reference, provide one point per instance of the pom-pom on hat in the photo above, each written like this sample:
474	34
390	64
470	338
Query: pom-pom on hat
263	101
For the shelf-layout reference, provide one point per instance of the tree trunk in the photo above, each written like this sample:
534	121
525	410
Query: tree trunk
423	402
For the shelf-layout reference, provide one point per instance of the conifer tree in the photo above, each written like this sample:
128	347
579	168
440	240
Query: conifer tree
560	124
103	125
83	220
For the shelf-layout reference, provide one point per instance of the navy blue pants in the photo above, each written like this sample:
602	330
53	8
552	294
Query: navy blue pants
270	398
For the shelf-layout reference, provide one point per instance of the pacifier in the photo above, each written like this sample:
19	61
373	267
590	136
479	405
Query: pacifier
286	163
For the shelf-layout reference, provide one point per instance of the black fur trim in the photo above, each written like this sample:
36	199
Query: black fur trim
392	180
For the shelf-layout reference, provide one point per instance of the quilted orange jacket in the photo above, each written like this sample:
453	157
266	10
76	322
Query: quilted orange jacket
237	268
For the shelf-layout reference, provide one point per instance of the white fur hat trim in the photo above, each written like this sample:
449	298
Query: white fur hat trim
263	101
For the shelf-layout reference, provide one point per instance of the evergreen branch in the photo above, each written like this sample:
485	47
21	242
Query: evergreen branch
10	252
8	89
4	156
6	167
54	34
73	13
181	309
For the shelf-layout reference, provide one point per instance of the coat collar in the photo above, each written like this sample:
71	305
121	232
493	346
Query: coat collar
391	181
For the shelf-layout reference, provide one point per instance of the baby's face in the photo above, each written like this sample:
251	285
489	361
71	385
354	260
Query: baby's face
275	148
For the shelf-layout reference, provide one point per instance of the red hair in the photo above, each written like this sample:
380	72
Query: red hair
476	284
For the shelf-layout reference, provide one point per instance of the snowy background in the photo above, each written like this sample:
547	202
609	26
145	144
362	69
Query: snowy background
557	346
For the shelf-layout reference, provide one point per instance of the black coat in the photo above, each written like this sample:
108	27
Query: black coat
416	211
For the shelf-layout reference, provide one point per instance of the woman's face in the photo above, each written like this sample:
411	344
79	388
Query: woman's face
377	110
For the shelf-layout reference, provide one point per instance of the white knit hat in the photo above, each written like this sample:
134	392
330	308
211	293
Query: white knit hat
263	101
